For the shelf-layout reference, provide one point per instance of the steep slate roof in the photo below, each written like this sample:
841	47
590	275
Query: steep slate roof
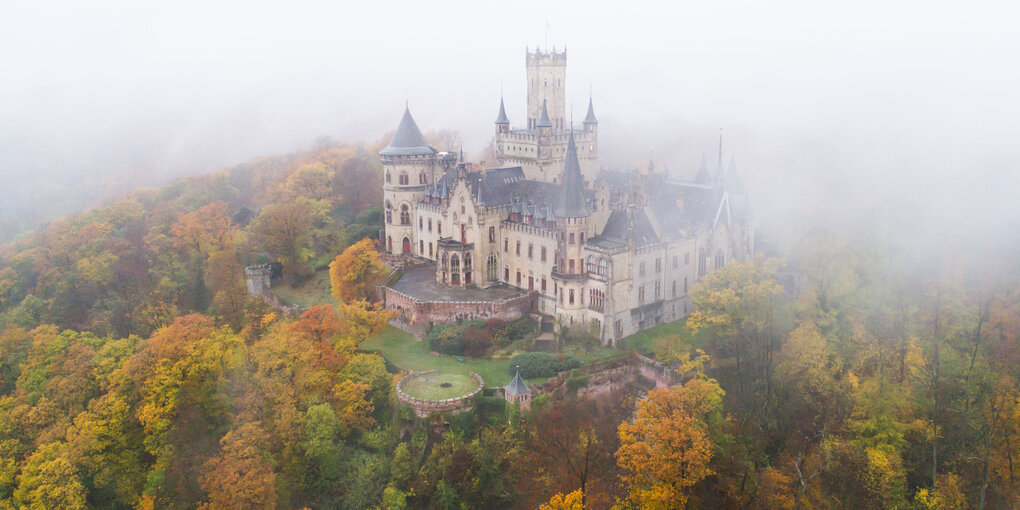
517	386
502	118
499	186
618	228
544	121
590	118
572	203
732	181
407	140
703	176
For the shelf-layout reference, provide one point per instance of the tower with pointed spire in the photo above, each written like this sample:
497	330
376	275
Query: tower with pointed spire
409	168
540	148
572	214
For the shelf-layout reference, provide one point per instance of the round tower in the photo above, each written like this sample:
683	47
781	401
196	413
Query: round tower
409	167
572	216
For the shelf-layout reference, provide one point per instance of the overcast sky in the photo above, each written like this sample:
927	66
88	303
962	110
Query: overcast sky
825	105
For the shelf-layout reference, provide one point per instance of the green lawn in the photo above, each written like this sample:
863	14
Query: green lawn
644	341
431	386
315	291
402	350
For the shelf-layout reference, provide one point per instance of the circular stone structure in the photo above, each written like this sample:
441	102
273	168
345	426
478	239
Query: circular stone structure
435	391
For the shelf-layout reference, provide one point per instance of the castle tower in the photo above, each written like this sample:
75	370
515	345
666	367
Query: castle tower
409	168
547	77
572	221
502	121
591	128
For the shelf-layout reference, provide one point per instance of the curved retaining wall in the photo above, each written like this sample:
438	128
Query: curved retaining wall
423	407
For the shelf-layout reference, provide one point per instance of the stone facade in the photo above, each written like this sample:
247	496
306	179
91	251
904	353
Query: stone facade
615	252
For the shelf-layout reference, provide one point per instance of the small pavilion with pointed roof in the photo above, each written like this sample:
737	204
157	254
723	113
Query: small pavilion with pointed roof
518	391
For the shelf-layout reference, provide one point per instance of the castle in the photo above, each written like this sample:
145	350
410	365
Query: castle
612	251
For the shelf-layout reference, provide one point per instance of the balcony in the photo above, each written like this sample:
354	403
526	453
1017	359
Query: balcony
567	276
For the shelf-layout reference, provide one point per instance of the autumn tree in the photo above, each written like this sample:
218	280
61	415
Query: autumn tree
666	448
319	323
285	231
242	475
356	272
560	501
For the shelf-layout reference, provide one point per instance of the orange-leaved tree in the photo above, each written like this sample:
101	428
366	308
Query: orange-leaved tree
666	448
355	272
560	501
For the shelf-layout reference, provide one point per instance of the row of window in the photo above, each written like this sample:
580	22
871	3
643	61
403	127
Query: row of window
404	180
517	250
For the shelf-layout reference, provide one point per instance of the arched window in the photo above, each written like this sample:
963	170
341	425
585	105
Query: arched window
443	263
591	264
491	268
455	269
403	179
388	179
421	178
405	215
603	267
389	212
702	262
720	259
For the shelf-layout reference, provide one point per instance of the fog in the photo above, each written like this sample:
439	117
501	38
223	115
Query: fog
864	112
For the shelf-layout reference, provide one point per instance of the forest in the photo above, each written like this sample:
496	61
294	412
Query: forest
136	372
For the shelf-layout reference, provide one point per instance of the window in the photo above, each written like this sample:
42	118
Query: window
571	266
591	264
439	228
675	261
641	295
405	215
404	179
685	285
430	224
421	247
543	253
492	234
571	238
389	212
641	269
388	179
658	265
506	245
518	277
506	274
702	263
421	178
518	252
618	327
491	268
582	237
603	266
531	283
543	284
421	223
720	259
531	250
658	289
430	250
674	288
571	296
596	299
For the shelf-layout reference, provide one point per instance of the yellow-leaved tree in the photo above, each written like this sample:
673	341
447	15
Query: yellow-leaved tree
355	272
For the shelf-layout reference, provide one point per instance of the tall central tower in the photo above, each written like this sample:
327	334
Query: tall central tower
547	81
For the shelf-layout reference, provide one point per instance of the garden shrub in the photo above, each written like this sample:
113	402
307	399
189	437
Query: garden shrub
542	364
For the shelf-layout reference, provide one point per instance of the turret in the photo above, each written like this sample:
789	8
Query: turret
502	121
409	165
590	122
547	75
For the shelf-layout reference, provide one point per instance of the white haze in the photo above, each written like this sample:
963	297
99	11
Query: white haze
852	110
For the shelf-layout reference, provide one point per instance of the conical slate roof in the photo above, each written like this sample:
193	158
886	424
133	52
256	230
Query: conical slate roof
544	120
517	386
590	118
703	176
732	181
571	203
502	118
407	140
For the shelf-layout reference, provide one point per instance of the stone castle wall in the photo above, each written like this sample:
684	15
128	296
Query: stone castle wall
423	407
415	315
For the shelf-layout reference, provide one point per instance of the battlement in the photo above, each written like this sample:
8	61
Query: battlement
546	57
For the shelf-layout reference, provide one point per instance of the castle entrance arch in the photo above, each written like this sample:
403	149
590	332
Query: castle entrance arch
407	246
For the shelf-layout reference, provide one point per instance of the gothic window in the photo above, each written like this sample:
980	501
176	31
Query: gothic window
443	262
404	179
591	264
506	244
455	269
518	252
702	263
543	254
531	250
720	259
388	176
596	299
421	178
491	268
658	289
405	215
641	295
467	261
389	212
492	234
603	266
571	296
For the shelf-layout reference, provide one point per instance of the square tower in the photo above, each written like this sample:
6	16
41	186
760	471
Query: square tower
547	81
